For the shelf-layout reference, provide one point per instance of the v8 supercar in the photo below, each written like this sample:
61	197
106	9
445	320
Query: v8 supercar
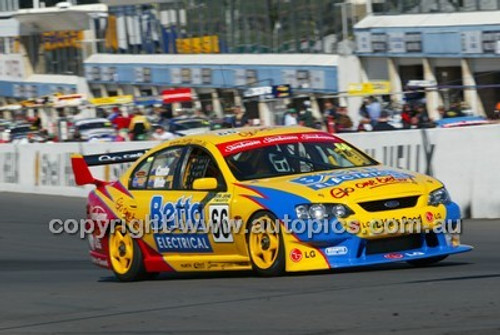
273	200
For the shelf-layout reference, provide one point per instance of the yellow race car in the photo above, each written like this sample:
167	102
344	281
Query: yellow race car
274	200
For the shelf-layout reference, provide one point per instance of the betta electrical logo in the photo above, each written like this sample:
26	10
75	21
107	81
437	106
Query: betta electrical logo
181	214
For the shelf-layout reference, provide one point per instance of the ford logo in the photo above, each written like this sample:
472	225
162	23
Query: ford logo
391	204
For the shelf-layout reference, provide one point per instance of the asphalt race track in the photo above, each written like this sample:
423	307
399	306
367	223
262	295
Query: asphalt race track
48	286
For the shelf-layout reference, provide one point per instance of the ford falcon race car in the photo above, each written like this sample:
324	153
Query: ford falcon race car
274	200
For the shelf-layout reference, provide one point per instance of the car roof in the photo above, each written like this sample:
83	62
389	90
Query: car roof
20	125
91	120
181	119
234	134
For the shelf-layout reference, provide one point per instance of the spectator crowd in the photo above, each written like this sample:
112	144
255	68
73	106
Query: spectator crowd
161	123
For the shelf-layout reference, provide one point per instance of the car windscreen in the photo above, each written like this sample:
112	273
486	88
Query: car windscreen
94	125
190	124
21	130
295	158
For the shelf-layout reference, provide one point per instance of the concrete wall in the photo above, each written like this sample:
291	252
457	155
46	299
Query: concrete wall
465	159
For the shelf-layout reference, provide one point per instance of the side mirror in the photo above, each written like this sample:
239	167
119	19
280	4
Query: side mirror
205	184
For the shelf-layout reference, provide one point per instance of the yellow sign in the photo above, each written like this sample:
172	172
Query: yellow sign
62	39
111	33
369	88
116	100
198	45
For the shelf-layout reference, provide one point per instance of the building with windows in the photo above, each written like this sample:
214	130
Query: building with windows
42	49
220	48
229	26
102	49
449	50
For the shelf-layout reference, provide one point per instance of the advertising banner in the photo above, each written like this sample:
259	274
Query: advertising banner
176	95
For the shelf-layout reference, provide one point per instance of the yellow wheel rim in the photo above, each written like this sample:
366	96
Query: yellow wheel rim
264	242
121	251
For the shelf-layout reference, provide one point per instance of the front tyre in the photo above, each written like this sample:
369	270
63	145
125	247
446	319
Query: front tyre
125	256
265	245
427	261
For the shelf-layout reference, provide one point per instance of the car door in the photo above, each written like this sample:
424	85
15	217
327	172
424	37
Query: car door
162	204
177	215
200	164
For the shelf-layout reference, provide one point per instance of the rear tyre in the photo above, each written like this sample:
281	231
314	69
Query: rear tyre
125	256
427	261
265	245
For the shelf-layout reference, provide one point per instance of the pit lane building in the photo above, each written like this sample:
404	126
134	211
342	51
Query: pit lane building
451	46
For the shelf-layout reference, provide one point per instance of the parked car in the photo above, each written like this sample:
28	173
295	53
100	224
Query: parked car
23	133
463	121
94	129
4	125
187	125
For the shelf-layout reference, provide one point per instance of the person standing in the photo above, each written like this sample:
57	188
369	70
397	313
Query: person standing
37	121
423	119
290	117
374	108
240	119
139	126
305	116
406	115
383	123
161	134
343	122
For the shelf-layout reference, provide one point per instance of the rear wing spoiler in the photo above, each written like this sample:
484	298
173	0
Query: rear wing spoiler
81	164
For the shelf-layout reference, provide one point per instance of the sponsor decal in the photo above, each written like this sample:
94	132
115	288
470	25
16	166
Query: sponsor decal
182	243
391	204
234	147
94	242
296	255
392	222
198	265
336	251
115	157
159	182
310	254
383	181
429	216
332	179
280	139
241	145
97	213
316	137
221	198
227	132
414	254
127	214
339	193
394	255
161	172
181	214
253	132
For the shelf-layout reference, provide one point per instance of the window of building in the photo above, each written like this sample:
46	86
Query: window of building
251	77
